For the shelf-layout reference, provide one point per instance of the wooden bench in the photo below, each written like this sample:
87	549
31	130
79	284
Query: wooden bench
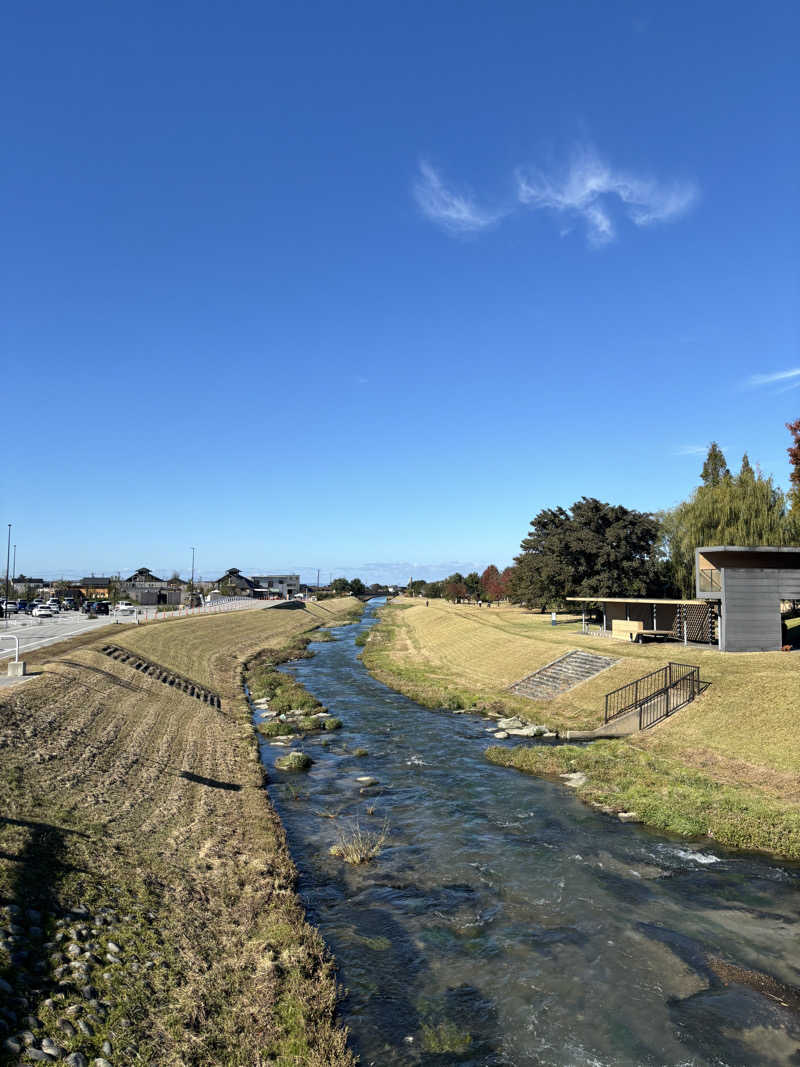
626	629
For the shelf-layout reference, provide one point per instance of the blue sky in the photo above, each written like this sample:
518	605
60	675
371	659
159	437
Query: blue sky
363	287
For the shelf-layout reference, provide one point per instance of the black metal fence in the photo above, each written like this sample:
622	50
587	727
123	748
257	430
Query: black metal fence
656	695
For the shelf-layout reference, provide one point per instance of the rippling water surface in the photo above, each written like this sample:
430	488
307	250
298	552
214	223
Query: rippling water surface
506	923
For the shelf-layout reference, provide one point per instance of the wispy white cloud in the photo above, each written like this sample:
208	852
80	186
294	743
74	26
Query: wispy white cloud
590	189
454	211
695	450
777	376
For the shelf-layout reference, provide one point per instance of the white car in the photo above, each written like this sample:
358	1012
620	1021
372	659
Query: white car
42	611
11	607
125	607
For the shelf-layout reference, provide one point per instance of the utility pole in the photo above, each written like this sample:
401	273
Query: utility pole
8	555
14	564
317	579
191	584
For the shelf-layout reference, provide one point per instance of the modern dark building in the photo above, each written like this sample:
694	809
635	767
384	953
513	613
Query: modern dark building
749	584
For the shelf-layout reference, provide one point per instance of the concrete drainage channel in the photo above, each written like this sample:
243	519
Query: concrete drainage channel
162	674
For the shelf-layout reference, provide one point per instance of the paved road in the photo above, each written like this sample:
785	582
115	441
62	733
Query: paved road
35	633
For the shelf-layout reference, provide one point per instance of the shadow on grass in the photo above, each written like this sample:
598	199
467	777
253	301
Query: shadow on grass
107	675
212	782
35	877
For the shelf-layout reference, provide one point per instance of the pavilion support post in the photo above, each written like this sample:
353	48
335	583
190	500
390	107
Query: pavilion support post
583	617
655	618
685	626
604	618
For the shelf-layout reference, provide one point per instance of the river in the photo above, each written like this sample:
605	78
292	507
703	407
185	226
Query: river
504	922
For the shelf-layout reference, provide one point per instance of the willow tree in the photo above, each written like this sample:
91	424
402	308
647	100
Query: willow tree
748	509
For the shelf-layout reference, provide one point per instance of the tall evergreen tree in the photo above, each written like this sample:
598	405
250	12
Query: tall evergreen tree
594	549
715	469
746	472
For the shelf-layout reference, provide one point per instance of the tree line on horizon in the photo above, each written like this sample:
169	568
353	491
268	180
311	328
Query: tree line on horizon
596	549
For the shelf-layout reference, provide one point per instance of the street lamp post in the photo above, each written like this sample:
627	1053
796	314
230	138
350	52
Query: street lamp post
8	559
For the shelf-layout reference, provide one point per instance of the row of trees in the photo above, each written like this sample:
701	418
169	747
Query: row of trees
490	587
596	549
354	586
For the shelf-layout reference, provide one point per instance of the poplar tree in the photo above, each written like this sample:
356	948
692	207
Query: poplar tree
715	469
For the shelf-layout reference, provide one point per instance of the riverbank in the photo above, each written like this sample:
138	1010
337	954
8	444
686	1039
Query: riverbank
146	889
723	767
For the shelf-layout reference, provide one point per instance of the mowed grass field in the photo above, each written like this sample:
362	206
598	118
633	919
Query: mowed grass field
743	732
118	792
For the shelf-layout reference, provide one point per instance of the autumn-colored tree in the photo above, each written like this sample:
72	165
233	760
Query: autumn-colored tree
491	585
506	579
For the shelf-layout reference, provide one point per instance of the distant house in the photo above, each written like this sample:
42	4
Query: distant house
21	583
95	588
144	587
234	581
272	585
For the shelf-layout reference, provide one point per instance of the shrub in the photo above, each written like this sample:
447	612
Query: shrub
294	761
331	723
275	728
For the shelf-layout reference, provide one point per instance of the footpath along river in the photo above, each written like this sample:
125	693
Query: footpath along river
505	922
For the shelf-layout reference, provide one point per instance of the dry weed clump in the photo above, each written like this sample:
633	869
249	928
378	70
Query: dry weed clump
360	846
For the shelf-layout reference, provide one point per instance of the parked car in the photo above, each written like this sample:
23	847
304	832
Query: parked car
23	607
42	611
11	607
124	607
69	603
101	607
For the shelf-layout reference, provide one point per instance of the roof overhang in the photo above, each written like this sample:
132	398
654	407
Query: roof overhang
628	600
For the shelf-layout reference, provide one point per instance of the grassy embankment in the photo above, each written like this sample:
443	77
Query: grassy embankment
146	807
725	766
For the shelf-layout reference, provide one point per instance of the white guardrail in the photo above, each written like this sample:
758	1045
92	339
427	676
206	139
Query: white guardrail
232	603
15	639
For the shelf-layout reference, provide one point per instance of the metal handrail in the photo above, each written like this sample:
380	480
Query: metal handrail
650	688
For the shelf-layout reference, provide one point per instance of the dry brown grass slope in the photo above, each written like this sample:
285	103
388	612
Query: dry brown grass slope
119	792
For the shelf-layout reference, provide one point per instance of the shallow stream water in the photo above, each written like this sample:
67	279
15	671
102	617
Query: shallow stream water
504	922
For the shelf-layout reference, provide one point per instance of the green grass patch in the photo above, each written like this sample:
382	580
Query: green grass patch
445	1037
666	794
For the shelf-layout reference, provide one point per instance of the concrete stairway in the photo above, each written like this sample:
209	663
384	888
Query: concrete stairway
562	674
162	674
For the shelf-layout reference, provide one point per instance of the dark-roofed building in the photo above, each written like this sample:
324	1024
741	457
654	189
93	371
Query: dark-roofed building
144	587
95	588
235	582
749	584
